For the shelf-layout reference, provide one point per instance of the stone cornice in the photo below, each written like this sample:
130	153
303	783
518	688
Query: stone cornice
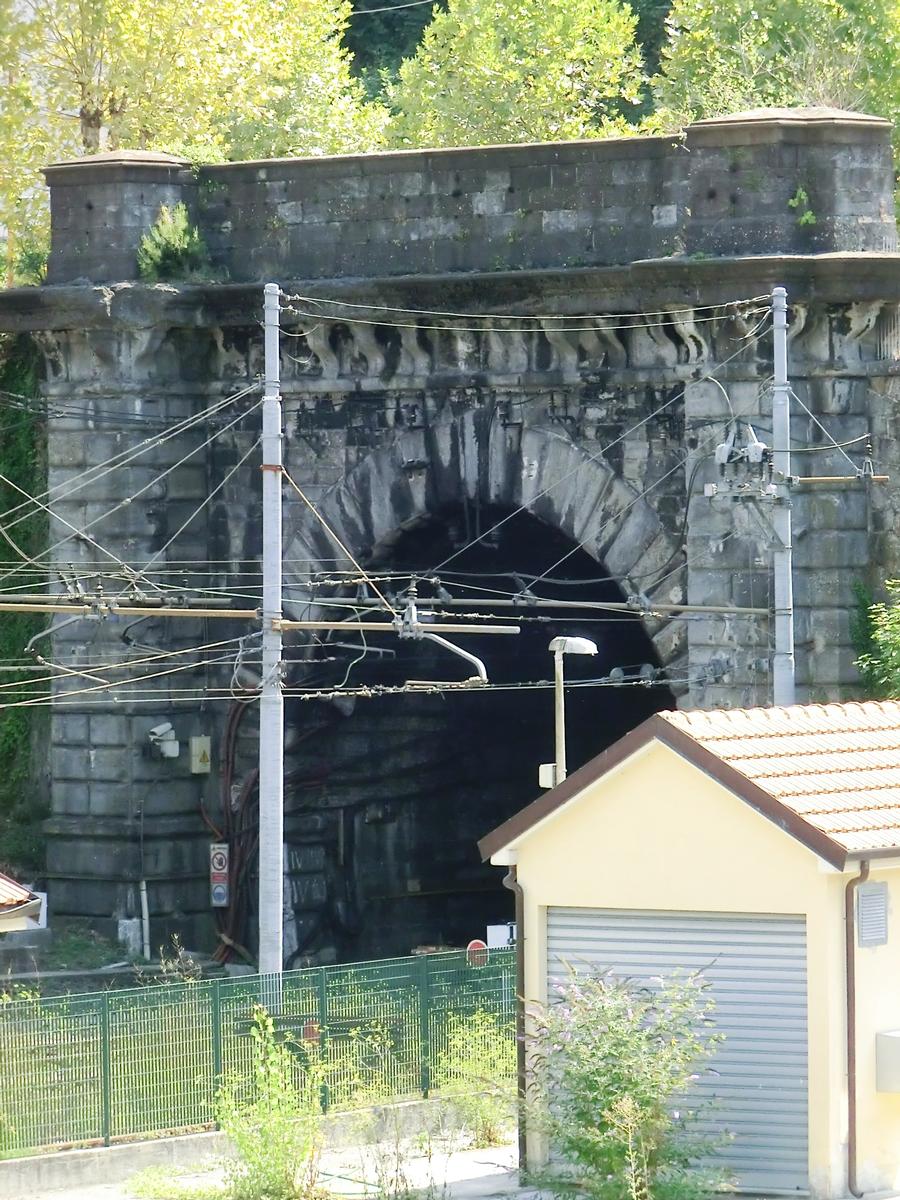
811	279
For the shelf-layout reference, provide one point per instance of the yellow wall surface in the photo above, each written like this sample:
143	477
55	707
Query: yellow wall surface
659	834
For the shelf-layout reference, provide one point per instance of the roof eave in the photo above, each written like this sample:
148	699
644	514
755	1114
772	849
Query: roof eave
657	728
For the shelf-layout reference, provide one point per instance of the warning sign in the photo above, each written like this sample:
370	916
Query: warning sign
201	760
218	875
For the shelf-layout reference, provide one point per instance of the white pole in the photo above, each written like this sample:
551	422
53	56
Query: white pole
783	666
271	700
560	724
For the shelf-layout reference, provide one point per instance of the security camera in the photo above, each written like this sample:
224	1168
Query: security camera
163	741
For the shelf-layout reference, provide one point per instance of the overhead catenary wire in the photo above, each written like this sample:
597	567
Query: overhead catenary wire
128	664
200	507
412	687
79	533
834	445
334	537
594	327
476	316
591	458
97	471
76	532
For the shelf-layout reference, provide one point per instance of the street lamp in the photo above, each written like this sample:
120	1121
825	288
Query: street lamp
561	646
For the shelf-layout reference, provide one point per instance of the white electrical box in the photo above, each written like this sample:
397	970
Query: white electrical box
887	1061
200	755
500	936
547	775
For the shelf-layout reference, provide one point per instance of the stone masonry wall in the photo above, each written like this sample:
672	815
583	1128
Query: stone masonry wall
603	429
727	188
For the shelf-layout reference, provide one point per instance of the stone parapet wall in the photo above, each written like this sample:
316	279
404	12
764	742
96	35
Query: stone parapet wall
756	185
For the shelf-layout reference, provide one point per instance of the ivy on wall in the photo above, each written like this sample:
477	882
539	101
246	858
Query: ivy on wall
23	464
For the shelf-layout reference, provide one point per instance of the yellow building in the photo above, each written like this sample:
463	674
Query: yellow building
762	845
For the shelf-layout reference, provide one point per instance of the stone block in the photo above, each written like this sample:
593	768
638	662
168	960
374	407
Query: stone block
566	221
70	728
108	730
841	549
68	763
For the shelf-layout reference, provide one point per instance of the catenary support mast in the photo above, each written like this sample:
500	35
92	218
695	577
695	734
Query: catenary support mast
783	667
271	701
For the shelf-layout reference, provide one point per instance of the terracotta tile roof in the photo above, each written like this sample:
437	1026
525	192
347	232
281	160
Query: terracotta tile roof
12	894
827	774
837	766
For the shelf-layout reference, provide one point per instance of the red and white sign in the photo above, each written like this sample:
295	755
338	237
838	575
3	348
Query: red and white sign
218	875
477	953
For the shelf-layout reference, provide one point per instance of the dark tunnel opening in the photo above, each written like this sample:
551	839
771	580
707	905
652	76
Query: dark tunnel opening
387	796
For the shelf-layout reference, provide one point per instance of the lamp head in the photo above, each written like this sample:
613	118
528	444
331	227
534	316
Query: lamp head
573	645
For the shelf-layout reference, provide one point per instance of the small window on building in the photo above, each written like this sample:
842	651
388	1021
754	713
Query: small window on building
871	914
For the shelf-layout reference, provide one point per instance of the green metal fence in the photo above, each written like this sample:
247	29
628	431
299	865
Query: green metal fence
83	1069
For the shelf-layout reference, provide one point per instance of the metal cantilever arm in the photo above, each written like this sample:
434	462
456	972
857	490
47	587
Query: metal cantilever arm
470	658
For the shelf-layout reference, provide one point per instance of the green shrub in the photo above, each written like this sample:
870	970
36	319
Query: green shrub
476	1070
613	1065
173	248
274	1120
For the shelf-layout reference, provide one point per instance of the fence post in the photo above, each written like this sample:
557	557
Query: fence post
323	1031
105	1071
424	981
216	1031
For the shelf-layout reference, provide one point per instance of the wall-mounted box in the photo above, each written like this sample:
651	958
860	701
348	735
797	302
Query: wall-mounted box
887	1061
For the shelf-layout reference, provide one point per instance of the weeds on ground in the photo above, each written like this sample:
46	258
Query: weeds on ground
274	1120
387	1155
157	1183
75	946
476	1071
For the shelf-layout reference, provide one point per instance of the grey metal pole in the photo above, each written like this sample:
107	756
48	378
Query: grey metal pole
271	700
783	691
560	724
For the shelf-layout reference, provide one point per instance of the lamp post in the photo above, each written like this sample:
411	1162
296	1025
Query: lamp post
561	646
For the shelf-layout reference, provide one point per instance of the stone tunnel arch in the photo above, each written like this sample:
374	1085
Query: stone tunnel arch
385	809
485	457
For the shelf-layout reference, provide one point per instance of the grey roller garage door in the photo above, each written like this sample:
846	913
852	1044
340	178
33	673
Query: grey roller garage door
756	965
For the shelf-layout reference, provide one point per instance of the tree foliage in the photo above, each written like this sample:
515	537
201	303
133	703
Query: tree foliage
22	466
746	54
875	630
211	80
380	35
519	71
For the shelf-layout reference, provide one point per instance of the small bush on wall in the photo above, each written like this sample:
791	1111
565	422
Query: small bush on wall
173	248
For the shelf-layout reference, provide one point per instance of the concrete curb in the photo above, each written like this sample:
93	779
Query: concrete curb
21	1177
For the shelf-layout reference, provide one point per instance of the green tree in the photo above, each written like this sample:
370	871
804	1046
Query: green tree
752	53
212	80
380	35
25	145
518	71
875	630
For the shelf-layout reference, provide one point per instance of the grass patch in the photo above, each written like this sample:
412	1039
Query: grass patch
162	1183
76	947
